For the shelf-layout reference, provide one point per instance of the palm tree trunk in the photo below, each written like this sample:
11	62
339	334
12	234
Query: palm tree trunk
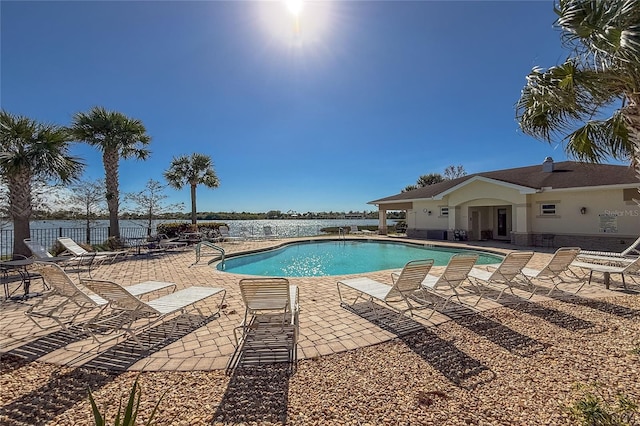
194	219
632	116
20	210
110	159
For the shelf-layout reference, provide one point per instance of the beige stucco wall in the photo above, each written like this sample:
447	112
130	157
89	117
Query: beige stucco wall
419	218
485	193
569	220
603	206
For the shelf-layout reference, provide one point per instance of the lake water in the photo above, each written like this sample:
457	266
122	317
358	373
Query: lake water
46	231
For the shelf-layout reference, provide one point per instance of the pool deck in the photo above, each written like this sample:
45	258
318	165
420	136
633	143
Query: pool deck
325	327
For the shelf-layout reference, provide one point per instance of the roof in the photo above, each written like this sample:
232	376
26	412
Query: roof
566	174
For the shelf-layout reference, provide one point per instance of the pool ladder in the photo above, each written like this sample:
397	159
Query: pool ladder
341	233
210	245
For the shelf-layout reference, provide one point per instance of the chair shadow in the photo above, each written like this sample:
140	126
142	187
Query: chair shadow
497	333
58	395
458	367
9	363
255	395
501	335
553	316
120	356
49	343
599	305
126	353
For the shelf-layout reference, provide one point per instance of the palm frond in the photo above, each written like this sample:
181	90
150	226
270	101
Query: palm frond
606	31
600	139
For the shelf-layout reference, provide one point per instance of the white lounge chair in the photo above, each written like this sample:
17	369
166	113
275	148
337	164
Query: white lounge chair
166	243
75	249
135	316
446	285
355	230
40	253
269	331
606	257
225	236
558	270
405	295
631	270
268	233
506	276
65	301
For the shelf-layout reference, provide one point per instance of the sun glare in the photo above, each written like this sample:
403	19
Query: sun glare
295	23
294	6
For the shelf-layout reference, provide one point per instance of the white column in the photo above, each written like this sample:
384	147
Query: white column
382	221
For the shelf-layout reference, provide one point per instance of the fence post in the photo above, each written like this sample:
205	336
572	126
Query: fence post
60	232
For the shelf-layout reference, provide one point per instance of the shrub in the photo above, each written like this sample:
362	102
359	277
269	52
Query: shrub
129	415
174	229
593	409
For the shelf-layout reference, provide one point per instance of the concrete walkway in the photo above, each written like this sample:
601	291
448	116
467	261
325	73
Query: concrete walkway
325	327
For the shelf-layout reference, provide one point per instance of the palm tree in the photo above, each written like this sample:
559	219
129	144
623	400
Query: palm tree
572	100
116	136
31	152
194	170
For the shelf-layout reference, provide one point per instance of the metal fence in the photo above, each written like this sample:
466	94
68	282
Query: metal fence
48	236
98	235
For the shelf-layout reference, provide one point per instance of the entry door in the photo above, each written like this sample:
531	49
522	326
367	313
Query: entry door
502	222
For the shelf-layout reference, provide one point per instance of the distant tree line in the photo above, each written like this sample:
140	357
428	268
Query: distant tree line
67	214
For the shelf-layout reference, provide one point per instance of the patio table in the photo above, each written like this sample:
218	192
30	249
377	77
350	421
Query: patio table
21	267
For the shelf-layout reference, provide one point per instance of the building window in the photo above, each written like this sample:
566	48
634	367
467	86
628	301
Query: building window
630	194
444	211
547	209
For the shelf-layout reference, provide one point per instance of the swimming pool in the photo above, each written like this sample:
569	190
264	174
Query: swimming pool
323	258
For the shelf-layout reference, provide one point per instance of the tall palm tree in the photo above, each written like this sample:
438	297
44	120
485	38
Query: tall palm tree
116	136
572	100
193	171
31	151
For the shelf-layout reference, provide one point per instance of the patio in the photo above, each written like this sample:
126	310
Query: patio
325	327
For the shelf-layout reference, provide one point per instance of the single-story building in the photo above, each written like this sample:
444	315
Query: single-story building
593	206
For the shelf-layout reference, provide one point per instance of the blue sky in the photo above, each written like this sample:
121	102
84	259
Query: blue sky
357	104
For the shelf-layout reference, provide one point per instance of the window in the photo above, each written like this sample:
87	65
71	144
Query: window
444	211
630	194
548	209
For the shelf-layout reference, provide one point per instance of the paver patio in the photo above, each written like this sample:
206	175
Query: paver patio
325	327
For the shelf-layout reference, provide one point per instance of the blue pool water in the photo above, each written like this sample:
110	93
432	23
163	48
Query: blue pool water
317	259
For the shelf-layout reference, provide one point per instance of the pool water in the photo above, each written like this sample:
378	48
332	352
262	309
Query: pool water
317	259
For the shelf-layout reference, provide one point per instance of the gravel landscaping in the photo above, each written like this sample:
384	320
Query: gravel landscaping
514	365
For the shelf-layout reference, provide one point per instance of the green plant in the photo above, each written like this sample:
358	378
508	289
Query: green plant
592	408
129	415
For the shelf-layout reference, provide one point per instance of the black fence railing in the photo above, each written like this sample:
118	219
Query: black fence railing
48	236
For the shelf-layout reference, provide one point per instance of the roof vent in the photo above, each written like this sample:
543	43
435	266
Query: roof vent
547	165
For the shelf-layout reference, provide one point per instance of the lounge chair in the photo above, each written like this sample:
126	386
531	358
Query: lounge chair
225	236
606	257
166	243
269	331
631	270
134	316
354	230
557	271
65	300
75	249
246	233
40	253
268	233
446	285
506	276
404	296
